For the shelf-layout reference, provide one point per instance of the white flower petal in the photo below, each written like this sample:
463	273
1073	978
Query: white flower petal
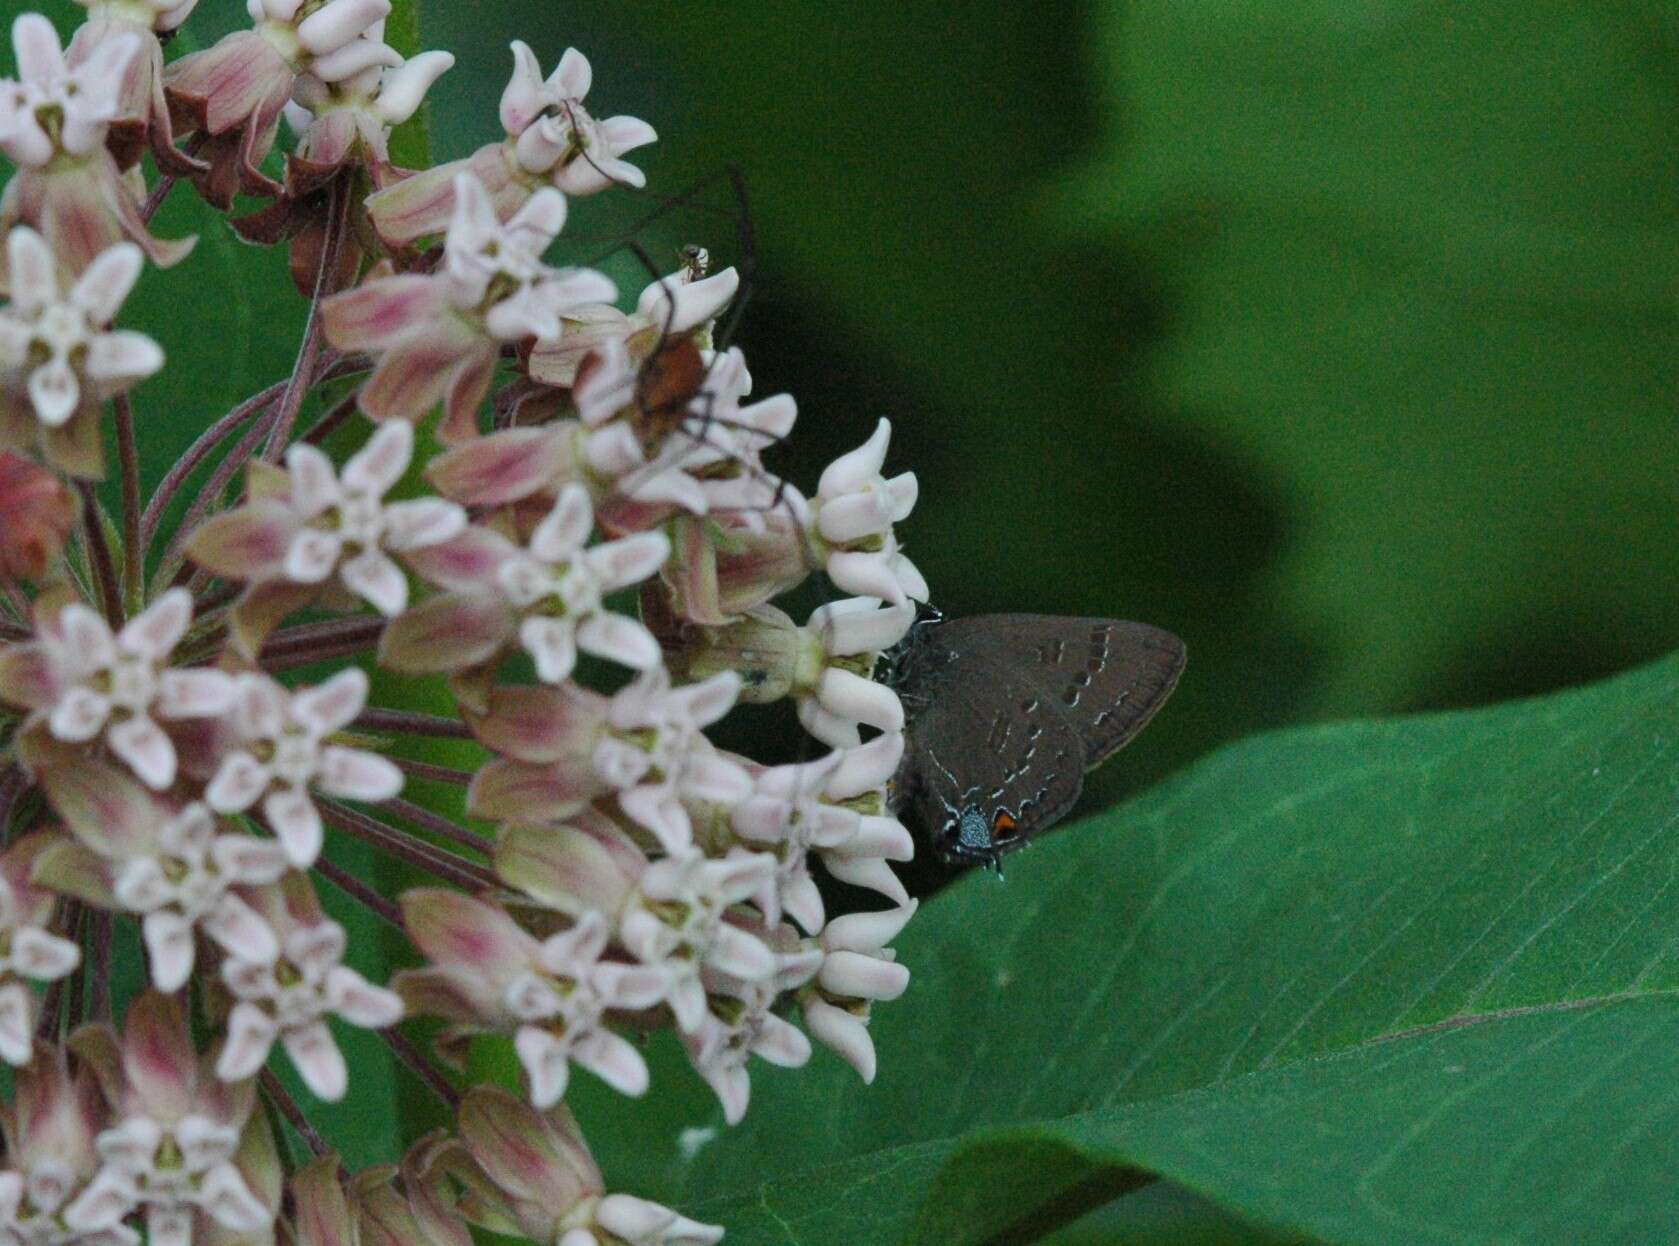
169	948
373	577
146	750
314	482
333	705
296	823
78	715
241	931
195	693
17	1024
564	529
619	638
844	1034
239	781
619	564
42	956
117	360
378	465
55	393
318	1061
356	774
361	1003
545	1064
312	555
421	523
552	643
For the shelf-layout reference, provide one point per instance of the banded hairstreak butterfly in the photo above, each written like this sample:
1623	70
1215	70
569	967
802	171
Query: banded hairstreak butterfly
1005	714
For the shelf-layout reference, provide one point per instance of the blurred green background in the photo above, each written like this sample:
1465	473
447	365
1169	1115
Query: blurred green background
1336	335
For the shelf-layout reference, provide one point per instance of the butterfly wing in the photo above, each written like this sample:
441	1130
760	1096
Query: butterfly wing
975	753
1106	677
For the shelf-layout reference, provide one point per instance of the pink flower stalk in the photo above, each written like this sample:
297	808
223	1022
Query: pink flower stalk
53	124
283	753
59	359
438	336
552	141
234	93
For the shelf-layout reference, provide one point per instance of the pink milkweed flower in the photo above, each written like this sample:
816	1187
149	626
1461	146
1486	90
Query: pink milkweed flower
50	1154
740	1022
53	124
840	693
675	305
174	868
860	783
675	920
786	816
855	508
186	1149
553	995
549	594
234	92
438	336
312	526
283	753
287	995
59	360
655	756
142	115
538	1180
552	141
86	683
29	951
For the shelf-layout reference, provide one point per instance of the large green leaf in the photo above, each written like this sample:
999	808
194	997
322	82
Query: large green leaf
1421	259
1410	981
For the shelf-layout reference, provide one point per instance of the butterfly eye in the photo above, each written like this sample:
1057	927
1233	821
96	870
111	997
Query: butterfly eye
1003	826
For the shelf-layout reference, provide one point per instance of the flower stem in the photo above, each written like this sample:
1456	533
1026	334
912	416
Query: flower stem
133	554
282	1100
433	773
101	937
441	827
405	722
99	555
315	642
359	891
422	1068
303	374
406	848
201	450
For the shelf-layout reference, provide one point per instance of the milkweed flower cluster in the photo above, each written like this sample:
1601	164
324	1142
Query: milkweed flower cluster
486	480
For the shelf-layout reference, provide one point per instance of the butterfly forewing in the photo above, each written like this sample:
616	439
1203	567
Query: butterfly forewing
1105	676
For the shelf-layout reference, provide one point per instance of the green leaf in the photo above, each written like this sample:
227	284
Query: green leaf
1413	981
410	141
1421	263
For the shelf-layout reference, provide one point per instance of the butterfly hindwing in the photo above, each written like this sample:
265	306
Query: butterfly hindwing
1105	676
976	749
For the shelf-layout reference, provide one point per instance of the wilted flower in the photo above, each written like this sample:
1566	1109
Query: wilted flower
142	114
283	753
551	138
58	359
439	336
287	994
